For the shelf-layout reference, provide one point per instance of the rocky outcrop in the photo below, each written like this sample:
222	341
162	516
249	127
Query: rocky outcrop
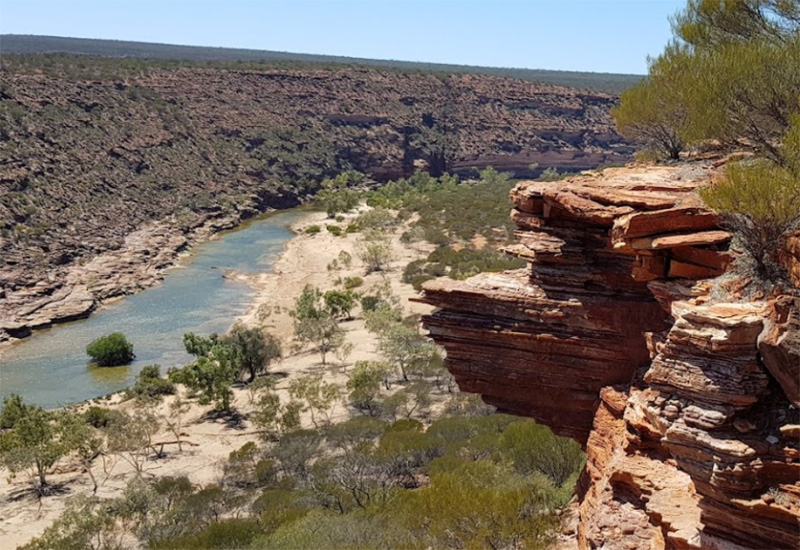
74	291
685	404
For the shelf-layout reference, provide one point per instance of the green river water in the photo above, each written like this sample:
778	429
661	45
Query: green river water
50	368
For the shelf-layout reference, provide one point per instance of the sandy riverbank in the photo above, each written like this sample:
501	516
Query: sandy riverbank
304	261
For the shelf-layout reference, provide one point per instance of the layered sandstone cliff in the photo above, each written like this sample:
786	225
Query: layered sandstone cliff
615	336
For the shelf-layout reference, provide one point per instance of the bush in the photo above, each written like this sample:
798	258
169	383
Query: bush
334	230
313	229
111	350
760	202
371	303
149	385
353	282
98	417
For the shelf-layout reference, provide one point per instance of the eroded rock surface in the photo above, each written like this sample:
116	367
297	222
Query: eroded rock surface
686	406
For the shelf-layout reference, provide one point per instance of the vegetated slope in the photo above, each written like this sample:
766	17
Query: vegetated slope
94	149
33	44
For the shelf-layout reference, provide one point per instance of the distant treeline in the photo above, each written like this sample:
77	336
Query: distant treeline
241	58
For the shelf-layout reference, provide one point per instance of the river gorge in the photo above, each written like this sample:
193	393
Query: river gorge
51	367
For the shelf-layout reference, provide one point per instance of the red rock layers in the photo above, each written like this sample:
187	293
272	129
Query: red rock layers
611	337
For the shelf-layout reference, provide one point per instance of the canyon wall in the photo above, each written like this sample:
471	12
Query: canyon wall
96	152
617	335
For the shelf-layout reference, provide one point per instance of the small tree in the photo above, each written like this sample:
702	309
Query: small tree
318	395
89	523
760	201
375	251
212	373
651	113
131	437
253	350
175	419
405	348
37	440
150	386
336	194
316	324
364	385
340	302
111	350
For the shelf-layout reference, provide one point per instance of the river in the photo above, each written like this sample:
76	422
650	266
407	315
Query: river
51	367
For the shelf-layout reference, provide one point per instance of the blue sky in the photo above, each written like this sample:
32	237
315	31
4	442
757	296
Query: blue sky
585	35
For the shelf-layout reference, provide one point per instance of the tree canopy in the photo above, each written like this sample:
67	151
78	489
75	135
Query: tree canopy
731	77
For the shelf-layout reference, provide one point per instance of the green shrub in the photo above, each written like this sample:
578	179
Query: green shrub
353	282
99	417
760	201
351	228
371	302
111	350
313	229
534	448
229	534
379	219
149	385
334	230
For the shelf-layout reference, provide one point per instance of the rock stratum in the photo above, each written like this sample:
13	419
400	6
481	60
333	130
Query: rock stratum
93	151
685	404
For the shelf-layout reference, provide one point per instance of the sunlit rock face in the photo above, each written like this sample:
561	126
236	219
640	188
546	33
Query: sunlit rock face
686	406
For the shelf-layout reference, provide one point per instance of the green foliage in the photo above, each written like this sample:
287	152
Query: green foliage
375	251
315	323
730	75
352	282
98	417
534	448
85	523
340	302
760	201
13	409
252	349
110	350
376	219
336	194
318	395
364	385
278	506
150	386
405	348
131	436
273	417
652	114
313	229
37	439
460	263
334	230
479	505
212	373
229	534
448	210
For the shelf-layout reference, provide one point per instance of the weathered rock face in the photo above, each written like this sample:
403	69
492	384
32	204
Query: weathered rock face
683	404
